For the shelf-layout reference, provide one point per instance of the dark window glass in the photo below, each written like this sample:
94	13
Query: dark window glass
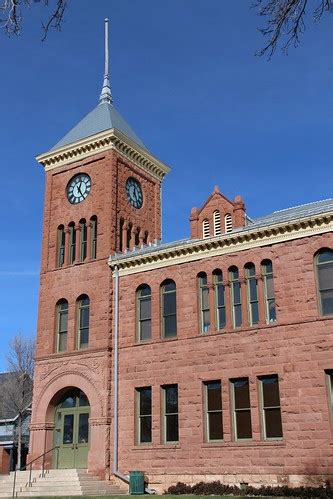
236	300
83	240
267	272
241	408
144	312
93	237
252	294
83	436
69	402
62	325
171	413
169	309
68	429
272	423
83	322
72	243
61	246
83	401
219	299
214	428
204	302
145	415
325	281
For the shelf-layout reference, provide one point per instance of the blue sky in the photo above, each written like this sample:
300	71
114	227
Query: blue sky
184	76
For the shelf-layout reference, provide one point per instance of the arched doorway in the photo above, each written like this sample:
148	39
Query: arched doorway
71	432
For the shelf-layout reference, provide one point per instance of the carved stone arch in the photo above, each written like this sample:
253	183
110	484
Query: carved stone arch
59	384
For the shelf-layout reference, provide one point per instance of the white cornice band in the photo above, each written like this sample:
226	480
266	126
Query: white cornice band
221	245
109	139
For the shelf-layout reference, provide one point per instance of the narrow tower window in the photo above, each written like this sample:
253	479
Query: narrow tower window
217	223
219	292
61	238
83	240
205	228
93	237
121	228
129	236
204	302
143	296
252	294
83	305
267	272
144	416
324	267
169	309
72	243
236	301
227	223
61	325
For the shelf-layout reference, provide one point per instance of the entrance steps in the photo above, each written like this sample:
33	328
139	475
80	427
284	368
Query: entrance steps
67	482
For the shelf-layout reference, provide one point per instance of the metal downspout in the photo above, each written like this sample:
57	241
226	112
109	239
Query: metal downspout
115	470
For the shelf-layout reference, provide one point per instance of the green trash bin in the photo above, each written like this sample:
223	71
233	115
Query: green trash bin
137	483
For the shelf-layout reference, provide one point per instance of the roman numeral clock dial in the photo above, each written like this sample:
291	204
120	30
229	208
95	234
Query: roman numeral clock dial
78	188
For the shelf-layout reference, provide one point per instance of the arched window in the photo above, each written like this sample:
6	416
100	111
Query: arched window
143	298
145	238
93	237
267	273
83	240
137	236
61	325
169	309
204	302
324	267
121	228
72	243
129	236
83	305
205	228
217	223
227	223
252	294
219	293
61	239
236	300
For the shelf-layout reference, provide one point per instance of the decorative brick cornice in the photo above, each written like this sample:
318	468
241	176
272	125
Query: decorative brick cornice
109	139
245	239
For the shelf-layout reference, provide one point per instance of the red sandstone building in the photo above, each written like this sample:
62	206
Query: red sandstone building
207	358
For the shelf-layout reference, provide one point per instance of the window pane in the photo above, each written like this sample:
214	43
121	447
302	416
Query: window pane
68	429
325	276
271	311
269	287
63	317
205	320
169	303
267	267
243	424
145	330
171	399
270	391
218	277
252	283
83	401
170	326
241	394
203	279
145	306
238	315
236	292
250	270
222	319
84	337
273	423
84	317
172	428
255	313
145	401
220	296
234	274
325	256
145	429
214	399
205	298
69	402
62	346
215	426
145	291
170	286
83	428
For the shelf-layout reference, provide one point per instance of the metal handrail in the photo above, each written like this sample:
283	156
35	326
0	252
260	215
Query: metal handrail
31	463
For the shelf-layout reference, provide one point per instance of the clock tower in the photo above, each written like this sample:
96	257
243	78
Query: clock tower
102	196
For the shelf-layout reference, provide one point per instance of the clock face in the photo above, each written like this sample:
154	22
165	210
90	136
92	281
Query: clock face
134	192
78	188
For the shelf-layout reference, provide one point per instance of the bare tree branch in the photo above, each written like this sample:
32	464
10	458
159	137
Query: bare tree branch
286	21
11	17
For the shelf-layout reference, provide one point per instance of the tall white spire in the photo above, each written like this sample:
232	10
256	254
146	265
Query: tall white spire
106	95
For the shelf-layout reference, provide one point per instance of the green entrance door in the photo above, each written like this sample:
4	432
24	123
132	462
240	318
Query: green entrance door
72	431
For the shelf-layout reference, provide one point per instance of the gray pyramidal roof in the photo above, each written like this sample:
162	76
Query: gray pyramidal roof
103	117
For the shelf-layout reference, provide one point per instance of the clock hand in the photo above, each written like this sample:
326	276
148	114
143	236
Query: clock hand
79	189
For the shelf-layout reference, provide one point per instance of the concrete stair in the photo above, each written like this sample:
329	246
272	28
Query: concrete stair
59	483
